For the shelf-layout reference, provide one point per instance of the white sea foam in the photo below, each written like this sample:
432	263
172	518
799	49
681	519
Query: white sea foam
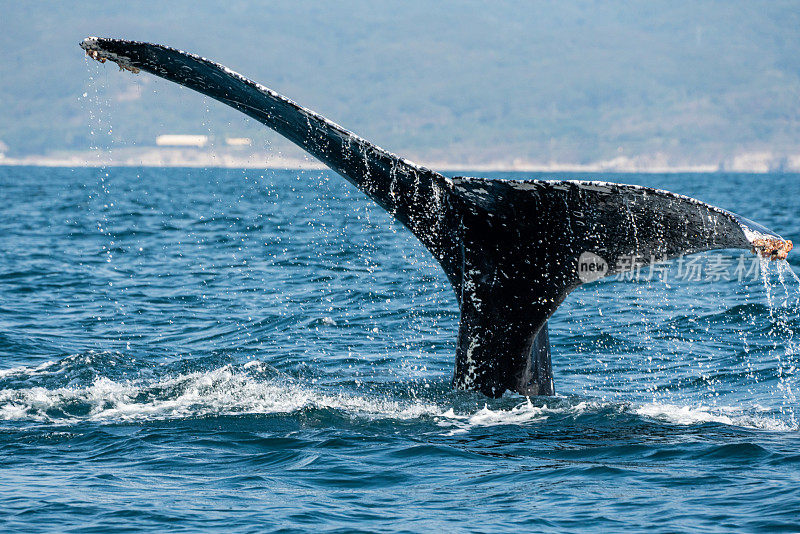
223	391
758	418
733	416
235	391
25	370
522	414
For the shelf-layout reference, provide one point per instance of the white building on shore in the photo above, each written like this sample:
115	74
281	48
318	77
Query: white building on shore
197	141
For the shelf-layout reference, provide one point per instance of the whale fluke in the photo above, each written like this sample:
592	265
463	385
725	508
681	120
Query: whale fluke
512	249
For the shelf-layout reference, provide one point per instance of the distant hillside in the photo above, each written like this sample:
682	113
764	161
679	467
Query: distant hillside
466	81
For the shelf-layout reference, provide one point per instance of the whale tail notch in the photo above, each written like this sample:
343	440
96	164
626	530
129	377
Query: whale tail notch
512	249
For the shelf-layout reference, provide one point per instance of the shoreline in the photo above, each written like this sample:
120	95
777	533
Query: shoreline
202	159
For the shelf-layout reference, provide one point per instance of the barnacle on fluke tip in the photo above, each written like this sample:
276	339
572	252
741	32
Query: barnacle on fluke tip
774	249
89	44
94	54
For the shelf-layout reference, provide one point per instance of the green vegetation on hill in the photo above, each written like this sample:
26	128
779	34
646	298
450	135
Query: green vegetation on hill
572	81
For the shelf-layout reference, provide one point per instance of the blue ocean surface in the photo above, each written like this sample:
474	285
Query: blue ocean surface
246	351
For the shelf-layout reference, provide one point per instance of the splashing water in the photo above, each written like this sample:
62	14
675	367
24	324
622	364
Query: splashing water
255	388
783	297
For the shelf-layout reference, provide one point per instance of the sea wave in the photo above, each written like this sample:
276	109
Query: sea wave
249	389
222	391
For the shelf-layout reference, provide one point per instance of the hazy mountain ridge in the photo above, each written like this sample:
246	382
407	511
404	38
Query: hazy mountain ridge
469	82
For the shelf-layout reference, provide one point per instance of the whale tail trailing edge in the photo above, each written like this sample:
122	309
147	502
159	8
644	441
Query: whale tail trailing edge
513	250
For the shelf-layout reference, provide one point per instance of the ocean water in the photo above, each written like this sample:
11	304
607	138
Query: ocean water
241	350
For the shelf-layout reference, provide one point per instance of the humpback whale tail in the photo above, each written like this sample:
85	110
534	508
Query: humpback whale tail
512	249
